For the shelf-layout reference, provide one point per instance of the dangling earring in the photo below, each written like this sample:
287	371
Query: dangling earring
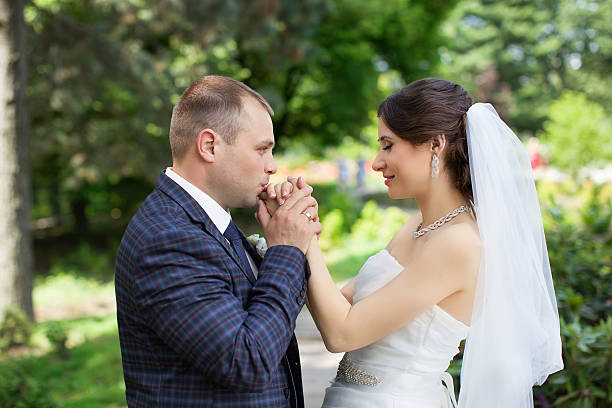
434	166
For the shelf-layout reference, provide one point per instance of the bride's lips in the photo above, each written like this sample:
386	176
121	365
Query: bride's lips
388	179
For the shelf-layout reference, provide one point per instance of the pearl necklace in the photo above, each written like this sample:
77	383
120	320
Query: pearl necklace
436	224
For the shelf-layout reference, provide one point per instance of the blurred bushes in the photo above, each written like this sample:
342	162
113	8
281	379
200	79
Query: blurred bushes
57	334
577	133
580	250
18	390
86	261
586	379
15	329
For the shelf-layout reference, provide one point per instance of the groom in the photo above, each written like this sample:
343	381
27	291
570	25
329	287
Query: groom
203	320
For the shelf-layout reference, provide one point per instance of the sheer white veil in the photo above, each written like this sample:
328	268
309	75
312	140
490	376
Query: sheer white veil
514	340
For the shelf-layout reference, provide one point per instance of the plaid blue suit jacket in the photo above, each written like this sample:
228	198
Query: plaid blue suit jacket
196	329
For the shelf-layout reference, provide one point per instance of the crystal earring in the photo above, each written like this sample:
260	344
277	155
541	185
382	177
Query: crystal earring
434	166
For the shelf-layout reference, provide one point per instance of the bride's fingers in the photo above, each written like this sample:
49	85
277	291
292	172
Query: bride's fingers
314	211
297	195
270	191
286	189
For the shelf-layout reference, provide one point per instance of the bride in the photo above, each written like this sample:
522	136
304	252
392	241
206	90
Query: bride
472	265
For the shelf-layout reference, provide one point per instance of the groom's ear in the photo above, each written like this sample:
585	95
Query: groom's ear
206	141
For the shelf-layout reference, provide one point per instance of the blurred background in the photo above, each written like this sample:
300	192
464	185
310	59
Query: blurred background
86	92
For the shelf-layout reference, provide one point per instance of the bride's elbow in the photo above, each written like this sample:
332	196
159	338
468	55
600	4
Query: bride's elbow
335	345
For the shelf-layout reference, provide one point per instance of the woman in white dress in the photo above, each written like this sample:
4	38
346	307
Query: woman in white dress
472	263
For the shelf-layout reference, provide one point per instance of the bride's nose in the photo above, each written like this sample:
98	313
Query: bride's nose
378	164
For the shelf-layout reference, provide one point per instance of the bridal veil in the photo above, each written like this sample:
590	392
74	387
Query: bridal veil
514	341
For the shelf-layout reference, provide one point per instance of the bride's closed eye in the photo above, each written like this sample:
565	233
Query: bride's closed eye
387	147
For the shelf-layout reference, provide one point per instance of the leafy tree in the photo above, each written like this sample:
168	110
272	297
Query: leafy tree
107	73
577	133
521	55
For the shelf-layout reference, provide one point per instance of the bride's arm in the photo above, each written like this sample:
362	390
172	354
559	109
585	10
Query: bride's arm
348	290
448	263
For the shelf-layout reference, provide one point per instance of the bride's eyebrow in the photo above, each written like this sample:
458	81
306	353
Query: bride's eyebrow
383	137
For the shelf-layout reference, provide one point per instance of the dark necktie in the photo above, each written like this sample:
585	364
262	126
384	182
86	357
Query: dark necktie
234	237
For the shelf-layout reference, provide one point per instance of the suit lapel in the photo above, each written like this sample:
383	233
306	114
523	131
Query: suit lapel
199	216
251	250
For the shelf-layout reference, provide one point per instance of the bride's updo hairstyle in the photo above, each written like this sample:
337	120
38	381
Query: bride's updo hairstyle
425	108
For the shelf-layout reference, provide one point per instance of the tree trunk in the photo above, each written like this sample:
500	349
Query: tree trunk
16	258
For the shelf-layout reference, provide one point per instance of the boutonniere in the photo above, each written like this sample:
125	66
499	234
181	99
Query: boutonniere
260	244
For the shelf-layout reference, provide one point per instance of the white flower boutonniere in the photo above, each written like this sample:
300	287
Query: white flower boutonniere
259	243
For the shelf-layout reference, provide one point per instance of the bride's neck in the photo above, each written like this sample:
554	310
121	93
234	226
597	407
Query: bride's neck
439	201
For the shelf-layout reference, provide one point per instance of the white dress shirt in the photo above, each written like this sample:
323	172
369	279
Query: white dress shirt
215	212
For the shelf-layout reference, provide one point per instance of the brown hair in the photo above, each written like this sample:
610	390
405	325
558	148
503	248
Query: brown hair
426	108
213	102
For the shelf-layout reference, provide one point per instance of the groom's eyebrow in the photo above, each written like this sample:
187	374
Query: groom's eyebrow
268	143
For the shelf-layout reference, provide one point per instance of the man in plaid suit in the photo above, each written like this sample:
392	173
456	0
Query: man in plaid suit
204	321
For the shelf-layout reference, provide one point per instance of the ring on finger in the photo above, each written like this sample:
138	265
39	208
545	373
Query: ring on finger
307	214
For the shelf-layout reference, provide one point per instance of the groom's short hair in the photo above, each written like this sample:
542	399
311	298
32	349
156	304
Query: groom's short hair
214	102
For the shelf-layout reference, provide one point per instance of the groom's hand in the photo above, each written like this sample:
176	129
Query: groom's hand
275	195
290	225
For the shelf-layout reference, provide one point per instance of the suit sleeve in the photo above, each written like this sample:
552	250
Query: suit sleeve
184	290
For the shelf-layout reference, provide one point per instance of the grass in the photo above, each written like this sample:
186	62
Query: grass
91	376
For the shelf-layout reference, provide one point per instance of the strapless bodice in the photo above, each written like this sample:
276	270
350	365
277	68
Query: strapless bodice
408	365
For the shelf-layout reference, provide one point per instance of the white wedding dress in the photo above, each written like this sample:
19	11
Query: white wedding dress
406	368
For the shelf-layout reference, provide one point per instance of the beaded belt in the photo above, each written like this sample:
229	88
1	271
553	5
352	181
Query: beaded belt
351	374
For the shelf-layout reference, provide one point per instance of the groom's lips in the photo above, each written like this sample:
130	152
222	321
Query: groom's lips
262	188
388	179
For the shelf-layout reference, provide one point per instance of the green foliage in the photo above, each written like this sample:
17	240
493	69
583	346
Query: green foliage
15	329
100	144
577	133
331	200
521	55
57	334
579	244
91	377
581	262
19	390
350	250
87	262
332	233
586	380
368	227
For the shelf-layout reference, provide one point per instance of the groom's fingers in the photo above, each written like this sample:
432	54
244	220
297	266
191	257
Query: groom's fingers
262	215
314	211
303	204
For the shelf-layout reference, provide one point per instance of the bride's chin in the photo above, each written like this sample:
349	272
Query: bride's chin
396	196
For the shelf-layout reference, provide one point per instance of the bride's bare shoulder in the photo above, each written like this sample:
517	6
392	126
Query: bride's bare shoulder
404	234
459	242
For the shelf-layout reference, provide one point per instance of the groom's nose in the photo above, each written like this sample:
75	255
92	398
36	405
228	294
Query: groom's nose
270	166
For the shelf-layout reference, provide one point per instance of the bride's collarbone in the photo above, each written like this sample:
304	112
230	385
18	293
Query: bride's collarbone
404	247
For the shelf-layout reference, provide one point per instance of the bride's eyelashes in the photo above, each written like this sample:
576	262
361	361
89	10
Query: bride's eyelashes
388	147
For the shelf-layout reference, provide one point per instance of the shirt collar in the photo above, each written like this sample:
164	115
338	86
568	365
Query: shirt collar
217	214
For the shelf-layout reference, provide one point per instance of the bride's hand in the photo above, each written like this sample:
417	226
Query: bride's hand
275	195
